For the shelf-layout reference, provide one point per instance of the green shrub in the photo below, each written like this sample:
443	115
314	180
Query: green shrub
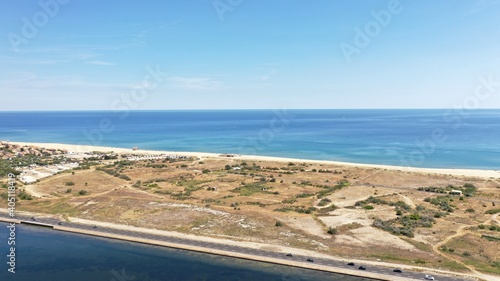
324	202
332	230
493	211
304	195
24	196
124	177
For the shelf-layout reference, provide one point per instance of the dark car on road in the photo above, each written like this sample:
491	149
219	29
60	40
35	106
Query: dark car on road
289	255
350	263
310	260
397	270
362	267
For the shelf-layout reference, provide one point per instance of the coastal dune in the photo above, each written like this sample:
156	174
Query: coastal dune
87	148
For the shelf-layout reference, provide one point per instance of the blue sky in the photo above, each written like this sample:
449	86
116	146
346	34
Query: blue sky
95	55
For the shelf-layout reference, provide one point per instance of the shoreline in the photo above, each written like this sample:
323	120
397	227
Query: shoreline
479	173
245	256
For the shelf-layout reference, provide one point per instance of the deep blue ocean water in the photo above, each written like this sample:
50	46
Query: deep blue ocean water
418	138
47	255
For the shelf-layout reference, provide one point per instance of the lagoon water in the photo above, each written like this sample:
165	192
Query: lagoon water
43	254
418	138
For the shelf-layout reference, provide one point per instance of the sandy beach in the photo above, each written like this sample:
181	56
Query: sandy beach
86	148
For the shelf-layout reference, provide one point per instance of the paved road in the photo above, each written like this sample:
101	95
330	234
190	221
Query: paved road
238	249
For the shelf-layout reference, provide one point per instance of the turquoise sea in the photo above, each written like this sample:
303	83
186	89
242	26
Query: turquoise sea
418	138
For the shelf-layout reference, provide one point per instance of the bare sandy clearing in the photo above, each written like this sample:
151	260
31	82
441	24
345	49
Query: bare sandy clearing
369	236
308	224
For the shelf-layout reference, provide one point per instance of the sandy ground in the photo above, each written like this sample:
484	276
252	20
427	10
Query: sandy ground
87	148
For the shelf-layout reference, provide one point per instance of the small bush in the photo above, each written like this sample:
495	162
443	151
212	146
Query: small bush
24	196
492	211
82	192
69	183
324	202
332	230
124	177
278	224
69	190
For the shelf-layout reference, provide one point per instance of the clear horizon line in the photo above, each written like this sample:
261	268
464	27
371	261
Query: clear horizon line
231	109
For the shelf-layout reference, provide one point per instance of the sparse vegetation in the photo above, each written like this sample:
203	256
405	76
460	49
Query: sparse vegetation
492	211
298	209
24	196
324	202
332	230
301	200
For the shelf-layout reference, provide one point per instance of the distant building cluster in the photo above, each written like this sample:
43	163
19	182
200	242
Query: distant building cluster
154	157
9	151
34	172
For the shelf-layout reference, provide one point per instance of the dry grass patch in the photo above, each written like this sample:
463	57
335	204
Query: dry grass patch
89	180
477	251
